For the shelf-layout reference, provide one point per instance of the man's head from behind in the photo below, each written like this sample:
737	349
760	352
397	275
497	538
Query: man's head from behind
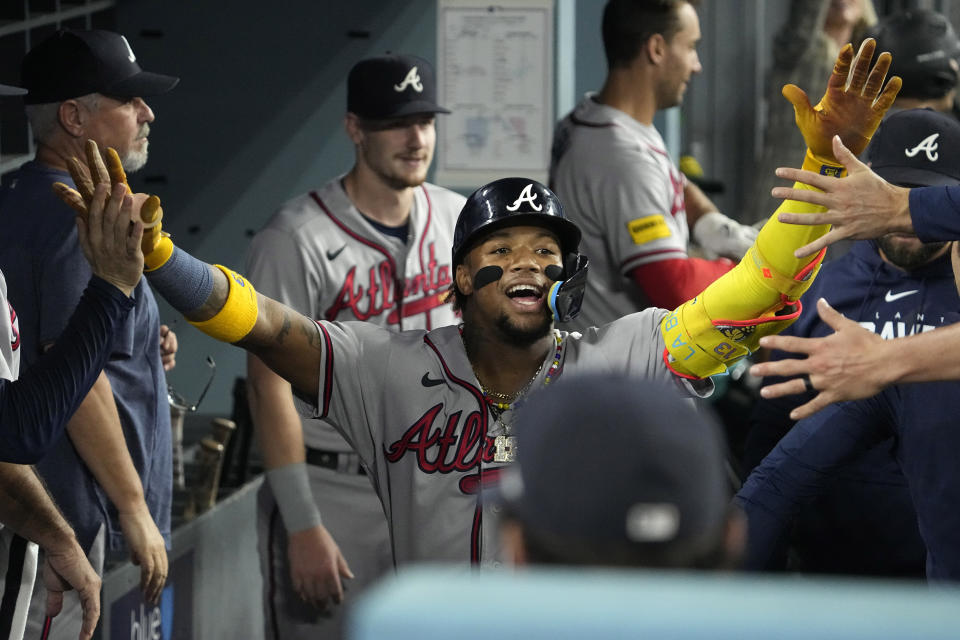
87	84
391	107
915	148
661	33
617	471
925	50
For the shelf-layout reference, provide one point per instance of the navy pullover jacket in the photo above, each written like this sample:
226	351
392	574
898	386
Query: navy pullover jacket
858	516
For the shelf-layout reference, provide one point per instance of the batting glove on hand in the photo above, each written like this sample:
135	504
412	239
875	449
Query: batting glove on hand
853	112
110	172
723	236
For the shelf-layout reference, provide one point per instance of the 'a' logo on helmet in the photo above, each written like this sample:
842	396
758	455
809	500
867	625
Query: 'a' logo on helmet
928	145
528	196
412	80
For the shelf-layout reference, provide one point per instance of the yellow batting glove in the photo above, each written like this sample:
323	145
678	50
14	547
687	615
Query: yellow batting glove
155	250
852	106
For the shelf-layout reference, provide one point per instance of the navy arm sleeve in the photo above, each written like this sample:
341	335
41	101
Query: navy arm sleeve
798	467
935	213
35	409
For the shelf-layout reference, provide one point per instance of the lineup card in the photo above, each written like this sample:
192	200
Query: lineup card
495	73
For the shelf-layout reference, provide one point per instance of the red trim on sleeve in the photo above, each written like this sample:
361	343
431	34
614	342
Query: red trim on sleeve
671	282
327	370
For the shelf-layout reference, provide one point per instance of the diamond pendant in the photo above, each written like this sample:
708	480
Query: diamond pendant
505	449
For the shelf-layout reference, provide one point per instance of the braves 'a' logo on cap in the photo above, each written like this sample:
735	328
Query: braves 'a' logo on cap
528	196
929	145
412	80
130	56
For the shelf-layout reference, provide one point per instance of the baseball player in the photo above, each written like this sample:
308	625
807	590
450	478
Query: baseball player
370	245
431	413
611	170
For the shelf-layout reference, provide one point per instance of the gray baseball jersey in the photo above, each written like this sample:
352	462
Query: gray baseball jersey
412	408
617	182
320	256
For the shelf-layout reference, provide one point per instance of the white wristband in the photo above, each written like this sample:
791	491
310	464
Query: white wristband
291	489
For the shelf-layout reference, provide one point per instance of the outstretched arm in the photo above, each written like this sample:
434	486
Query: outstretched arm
760	295
862	205
854	363
215	299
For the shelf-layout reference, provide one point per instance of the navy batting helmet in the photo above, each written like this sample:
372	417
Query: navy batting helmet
925	50
521	201
510	202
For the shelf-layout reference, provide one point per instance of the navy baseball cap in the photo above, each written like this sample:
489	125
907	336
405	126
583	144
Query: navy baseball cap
70	64
917	147
391	86
604	459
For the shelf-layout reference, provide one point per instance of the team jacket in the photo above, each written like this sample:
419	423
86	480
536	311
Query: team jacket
935	212
863	521
923	420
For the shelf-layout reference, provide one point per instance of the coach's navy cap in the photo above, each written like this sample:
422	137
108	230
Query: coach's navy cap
70	64
917	147
604	459
391	86
7	90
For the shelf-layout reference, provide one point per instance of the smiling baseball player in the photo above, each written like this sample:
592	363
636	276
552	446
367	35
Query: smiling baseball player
370	245
431	413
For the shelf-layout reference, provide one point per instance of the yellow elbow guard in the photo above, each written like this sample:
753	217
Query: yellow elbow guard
705	335
239	313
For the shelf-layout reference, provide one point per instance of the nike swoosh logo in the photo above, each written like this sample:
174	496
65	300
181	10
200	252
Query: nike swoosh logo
891	296
333	254
427	381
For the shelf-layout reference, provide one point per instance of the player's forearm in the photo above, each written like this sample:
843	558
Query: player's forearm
933	213
697	203
924	357
26	507
281	441
35	409
229	310
97	435
274	415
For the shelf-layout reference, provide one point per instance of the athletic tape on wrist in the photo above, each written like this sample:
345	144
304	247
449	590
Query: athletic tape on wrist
239	313
182	280
291	490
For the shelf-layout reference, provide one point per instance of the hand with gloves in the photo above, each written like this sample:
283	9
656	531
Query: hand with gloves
723	236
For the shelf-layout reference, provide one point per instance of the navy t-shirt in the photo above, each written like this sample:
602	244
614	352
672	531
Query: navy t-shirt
46	275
